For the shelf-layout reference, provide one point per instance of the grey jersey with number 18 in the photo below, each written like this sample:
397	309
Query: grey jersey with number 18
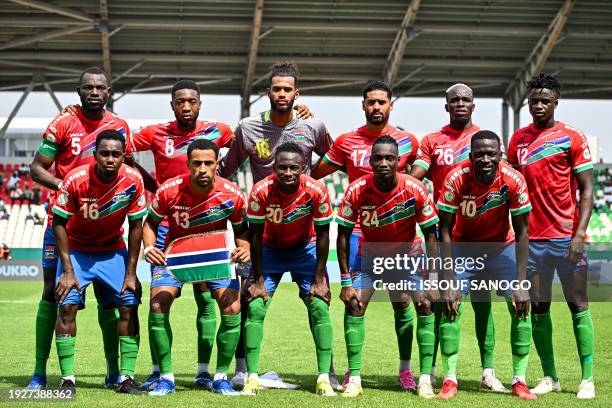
257	138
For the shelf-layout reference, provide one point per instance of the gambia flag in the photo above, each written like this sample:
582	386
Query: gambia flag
200	257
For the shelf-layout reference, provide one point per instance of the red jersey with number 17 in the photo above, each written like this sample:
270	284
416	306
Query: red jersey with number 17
482	209
289	218
549	159
97	210
190	212
169	144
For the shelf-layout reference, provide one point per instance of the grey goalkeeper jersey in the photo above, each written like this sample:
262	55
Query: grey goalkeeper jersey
257	138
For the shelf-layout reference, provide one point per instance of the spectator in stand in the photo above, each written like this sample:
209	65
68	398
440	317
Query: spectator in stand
2	204
38	220
4	215
12	182
27	196
24	170
36	195
1	179
6	252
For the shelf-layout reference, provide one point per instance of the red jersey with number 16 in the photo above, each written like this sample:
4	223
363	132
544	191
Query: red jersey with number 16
97	210
289	218
169	144
549	159
482	209
190	212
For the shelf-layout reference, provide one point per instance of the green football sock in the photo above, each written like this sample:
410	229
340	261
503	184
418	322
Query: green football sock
322	332
485	332
542	328
520	341
354	336
108	321
585	338
65	353
426	339
45	325
253	332
450	332
404	326
160	336
438	317
129	353
206	323
227	340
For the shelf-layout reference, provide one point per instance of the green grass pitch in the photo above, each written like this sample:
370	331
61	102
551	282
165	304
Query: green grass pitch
288	349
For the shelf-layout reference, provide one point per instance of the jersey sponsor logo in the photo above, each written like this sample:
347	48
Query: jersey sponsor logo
262	147
236	191
171	184
318	189
323	208
254	206
523	198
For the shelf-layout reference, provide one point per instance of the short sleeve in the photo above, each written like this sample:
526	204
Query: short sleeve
159	206
512	152
227	135
425	209
423	156
142	140
580	154
449	196
414	151
324	140
348	211
65	201
53	137
256	210
138	202
322	211
236	155
518	194
239	215
335	156
129	146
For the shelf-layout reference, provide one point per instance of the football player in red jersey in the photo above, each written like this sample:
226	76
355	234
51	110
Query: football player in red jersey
69	142
556	162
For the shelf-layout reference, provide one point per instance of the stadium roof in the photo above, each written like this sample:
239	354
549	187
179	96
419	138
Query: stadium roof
421	46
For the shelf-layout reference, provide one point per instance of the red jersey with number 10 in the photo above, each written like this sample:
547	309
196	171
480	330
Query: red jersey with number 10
482	209
549	159
169	144
97	210
289	218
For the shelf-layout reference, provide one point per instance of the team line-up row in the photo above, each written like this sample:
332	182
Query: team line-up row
477	198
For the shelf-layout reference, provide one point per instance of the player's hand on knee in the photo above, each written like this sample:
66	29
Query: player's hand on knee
432	295
320	289
521	302
351	298
132	284
156	257
256	290
303	112
575	250
66	282
241	254
71	109
452	301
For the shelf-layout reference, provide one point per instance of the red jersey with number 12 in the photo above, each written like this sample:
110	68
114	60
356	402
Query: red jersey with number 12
549	159
289	218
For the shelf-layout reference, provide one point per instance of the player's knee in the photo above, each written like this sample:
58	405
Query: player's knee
318	309
257	310
577	307
158	305
424	307
540	307
67	314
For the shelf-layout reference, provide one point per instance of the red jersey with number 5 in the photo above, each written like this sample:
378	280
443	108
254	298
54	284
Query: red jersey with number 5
97	210
169	144
289	218
482	209
549	159
190	212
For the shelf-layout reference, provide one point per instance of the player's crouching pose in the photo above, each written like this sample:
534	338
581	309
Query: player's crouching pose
92	204
388	206
194	204
475	202
286	210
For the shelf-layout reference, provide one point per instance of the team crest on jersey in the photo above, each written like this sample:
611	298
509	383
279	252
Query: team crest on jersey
347	211
427	210
263	148
254	206
121	196
448	196
63	198
299	135
50	252
523	198
51	137
323	208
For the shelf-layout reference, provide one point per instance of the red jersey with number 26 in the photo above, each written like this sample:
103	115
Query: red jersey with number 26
169	144
289	218
97	210
549	159
190	212
482	209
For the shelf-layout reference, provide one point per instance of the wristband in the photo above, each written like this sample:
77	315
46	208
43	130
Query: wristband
147	250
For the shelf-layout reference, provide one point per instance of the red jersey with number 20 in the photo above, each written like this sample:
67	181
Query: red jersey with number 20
169	144
549	159
97	210
289	218
190	212
482	209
